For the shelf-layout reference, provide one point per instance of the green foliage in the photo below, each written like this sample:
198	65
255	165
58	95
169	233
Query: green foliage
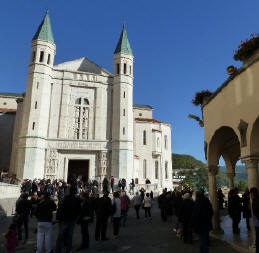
186	162
240	171
199	97
195	179
240	183
221	179
196	176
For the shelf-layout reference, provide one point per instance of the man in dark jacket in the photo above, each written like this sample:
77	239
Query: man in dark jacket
255	208
221	197
103	210
202	220
85	217
23	209
161	204
105	184
168	206
234	209
247	214
185	217
67	213
123	184
44	210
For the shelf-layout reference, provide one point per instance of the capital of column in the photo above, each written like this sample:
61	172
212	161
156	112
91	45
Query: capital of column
213	170
251	162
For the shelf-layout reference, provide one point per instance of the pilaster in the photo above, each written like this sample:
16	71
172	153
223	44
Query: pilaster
252	171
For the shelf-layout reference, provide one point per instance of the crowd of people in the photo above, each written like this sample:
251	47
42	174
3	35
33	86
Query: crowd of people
190	213
238	205
59	187
74	203
186	216
8	179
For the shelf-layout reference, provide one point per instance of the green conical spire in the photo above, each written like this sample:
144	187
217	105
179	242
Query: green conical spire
44	31
123	45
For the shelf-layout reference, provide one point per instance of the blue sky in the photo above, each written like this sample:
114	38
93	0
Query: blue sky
180	47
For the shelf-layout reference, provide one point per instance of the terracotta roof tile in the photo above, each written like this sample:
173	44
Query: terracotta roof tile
156	130
6	110
148	120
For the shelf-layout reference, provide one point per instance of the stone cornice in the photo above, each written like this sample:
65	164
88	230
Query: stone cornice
245	159
251	162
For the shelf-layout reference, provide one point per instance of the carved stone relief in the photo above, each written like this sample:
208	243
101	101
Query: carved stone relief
242	127
102	163
51	163
205	149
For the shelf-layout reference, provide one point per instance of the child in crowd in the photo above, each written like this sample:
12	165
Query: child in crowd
11	239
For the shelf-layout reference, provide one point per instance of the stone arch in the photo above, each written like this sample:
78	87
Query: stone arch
254	139
224	142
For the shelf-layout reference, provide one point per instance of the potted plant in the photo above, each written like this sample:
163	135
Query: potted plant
200	97
247	49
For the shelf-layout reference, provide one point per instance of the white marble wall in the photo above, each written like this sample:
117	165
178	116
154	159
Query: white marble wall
142	113
153	151
8	102
8	196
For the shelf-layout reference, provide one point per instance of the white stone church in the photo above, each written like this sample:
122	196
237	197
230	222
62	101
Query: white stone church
78	119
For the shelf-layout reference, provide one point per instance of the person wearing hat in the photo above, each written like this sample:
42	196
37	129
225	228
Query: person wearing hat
255	208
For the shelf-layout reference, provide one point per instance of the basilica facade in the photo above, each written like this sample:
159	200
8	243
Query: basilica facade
78	119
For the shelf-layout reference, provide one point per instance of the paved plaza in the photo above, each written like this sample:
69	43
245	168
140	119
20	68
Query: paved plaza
241	241
142	235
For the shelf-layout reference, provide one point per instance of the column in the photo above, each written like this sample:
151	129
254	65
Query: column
231	180
252	174
212	172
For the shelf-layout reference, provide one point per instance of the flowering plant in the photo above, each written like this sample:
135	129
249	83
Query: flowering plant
199	97
246	48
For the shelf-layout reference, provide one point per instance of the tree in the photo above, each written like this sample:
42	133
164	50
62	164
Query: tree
194	171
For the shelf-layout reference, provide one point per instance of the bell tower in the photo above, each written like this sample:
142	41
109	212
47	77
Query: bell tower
36	104
122	119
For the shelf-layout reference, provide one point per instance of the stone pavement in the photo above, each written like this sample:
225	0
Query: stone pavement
242	241
139	236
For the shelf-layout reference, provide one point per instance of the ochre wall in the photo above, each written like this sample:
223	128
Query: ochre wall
238	100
